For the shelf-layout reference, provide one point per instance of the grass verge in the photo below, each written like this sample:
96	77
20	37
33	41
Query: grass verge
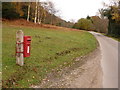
116	38
50	49
113	37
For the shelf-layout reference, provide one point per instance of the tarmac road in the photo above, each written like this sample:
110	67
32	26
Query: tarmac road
109	62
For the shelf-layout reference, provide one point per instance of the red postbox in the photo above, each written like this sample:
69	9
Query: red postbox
27	46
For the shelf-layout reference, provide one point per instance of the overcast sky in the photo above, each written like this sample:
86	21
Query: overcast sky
76	9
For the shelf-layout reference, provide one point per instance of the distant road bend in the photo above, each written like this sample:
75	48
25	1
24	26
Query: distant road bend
109	62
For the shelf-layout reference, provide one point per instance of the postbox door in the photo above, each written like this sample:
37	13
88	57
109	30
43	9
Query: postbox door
27	43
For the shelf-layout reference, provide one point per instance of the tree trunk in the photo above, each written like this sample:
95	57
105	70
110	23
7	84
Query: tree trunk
51	19
28	12
38	12
38	20
44	18
41	13
35	20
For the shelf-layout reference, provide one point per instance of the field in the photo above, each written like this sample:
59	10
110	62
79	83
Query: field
51	49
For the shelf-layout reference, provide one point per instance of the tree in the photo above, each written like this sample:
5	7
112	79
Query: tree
100	24
42	12
88	17
18	8
72	21
113	14
28	16
38	12
51	9
36	7
9	11
84	24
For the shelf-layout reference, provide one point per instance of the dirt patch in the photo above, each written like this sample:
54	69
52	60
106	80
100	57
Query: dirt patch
37	36
86	72
62	53
67	51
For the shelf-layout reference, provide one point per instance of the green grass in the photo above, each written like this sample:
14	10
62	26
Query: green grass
113	37
49	49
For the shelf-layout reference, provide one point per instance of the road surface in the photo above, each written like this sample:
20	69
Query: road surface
109	62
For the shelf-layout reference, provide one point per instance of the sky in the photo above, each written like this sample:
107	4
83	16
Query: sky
76	9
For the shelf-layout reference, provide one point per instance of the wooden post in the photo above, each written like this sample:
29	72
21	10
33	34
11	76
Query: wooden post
19	48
